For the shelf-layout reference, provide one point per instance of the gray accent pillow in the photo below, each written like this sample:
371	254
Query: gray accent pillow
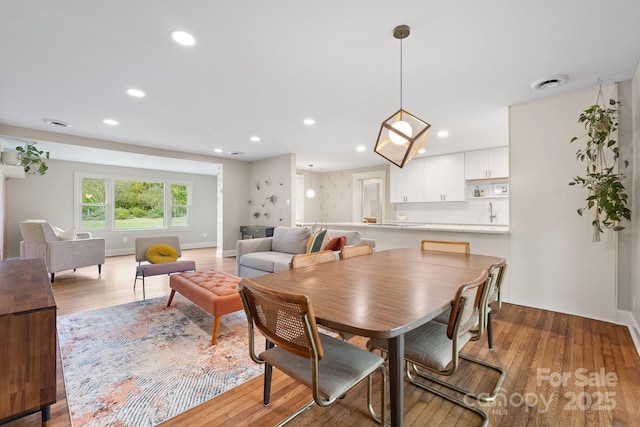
292	240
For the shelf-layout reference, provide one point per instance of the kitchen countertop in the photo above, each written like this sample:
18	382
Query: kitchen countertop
417	226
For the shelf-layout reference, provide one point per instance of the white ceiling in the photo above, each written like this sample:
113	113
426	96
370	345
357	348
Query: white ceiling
262	67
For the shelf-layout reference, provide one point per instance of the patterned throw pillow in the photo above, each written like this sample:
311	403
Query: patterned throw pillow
157	254
317	242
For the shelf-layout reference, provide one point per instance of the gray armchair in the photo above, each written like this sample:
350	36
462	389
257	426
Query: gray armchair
41	241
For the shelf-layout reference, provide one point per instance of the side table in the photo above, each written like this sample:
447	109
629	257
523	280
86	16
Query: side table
28	331
256	231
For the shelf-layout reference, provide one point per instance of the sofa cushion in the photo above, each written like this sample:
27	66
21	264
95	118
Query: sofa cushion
291	240
266	261
352	237
317	242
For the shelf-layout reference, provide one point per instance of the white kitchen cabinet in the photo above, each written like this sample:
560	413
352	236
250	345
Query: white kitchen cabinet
490	163
444	178
407	184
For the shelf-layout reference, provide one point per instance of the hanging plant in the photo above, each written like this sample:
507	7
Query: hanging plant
32	160
605	193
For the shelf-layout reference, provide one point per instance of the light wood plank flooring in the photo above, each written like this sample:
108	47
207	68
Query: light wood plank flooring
562	370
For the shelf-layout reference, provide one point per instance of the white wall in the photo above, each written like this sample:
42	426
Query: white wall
635	212
51	197
553	263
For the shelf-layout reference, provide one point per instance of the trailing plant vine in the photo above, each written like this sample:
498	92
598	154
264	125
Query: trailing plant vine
606	194
32	159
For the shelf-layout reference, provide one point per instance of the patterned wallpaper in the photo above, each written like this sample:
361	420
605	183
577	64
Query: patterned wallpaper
337	196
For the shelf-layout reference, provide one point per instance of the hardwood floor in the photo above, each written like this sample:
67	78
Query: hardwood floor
562	370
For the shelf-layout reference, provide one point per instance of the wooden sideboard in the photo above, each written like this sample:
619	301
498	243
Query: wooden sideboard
27	340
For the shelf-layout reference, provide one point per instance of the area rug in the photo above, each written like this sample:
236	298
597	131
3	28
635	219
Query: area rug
141	363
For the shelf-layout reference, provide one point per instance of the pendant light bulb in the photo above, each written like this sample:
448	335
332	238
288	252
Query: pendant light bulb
310	192
403	127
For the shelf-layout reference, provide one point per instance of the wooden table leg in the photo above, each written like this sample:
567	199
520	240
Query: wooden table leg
396	379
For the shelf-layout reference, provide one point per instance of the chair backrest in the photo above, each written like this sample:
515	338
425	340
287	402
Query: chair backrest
355	250
37	231
442	246
464	308
144	243
496	277
305	260
285	318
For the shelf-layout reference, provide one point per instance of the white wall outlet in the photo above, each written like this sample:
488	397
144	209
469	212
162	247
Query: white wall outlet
633	304
125	239
204	234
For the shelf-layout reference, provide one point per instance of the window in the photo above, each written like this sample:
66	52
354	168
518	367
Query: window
93	204
179	205
132	204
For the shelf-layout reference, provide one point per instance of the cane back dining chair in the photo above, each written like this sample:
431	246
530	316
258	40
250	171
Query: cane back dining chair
436	347
305	260
493	302
355	250
443	246
328	366
489	302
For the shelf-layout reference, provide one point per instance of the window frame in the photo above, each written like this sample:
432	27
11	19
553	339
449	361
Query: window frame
109	204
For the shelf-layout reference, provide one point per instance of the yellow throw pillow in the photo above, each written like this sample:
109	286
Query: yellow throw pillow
157	254
318	241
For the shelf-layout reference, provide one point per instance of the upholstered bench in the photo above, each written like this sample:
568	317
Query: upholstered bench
213	291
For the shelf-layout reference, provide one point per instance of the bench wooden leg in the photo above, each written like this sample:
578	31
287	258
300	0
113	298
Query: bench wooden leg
216	328
173	292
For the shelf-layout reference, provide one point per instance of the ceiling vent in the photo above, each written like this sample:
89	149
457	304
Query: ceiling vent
549	82
59	123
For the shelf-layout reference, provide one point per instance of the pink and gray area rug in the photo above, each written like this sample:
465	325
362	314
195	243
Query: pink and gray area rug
141	363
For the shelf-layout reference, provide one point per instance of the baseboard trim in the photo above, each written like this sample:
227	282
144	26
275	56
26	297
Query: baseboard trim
626	318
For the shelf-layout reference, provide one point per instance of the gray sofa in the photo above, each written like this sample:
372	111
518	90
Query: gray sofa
255	257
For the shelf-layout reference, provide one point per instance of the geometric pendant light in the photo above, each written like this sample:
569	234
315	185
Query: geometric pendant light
402	134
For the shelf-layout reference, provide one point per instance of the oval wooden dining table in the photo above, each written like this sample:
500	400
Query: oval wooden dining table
383	295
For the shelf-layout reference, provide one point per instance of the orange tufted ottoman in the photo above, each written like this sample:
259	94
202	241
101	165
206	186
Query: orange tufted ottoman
213	291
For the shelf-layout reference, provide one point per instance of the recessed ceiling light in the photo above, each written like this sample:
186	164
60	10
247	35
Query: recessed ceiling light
255	139
443	133
183	38
56	123
135	92
421	151
309	122
550	82
361	148
110	122
217	150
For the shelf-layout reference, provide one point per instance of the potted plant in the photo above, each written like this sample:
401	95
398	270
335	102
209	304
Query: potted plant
32	159
606	194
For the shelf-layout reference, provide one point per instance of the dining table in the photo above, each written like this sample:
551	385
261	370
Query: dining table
383	295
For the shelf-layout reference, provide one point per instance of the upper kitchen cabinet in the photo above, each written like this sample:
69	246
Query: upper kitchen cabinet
407	184
487	164
444	178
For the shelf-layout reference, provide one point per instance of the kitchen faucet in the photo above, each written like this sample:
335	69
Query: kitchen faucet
491	214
